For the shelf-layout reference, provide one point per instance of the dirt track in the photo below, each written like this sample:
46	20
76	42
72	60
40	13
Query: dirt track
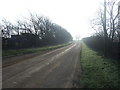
54	69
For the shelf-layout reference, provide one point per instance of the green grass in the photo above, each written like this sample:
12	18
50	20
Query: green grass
8	53
98	72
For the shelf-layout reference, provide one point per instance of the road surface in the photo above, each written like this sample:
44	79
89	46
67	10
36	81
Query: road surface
54	69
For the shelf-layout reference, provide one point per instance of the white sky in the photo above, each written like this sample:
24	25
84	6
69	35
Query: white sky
74	15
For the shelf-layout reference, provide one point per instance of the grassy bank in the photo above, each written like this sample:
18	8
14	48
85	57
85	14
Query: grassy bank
8	53
98	72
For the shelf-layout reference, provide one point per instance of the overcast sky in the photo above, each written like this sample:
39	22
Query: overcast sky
74	15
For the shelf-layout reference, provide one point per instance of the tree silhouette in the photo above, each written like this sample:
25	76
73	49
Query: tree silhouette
34	32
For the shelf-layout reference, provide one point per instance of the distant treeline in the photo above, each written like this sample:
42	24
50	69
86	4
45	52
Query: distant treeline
35	31
98	43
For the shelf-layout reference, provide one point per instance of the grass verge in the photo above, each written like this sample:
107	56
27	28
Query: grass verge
8	53
98	72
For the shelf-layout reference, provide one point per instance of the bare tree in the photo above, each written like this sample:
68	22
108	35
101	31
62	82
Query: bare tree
106	23
106	19
36	23
7	28
113	14
42	25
